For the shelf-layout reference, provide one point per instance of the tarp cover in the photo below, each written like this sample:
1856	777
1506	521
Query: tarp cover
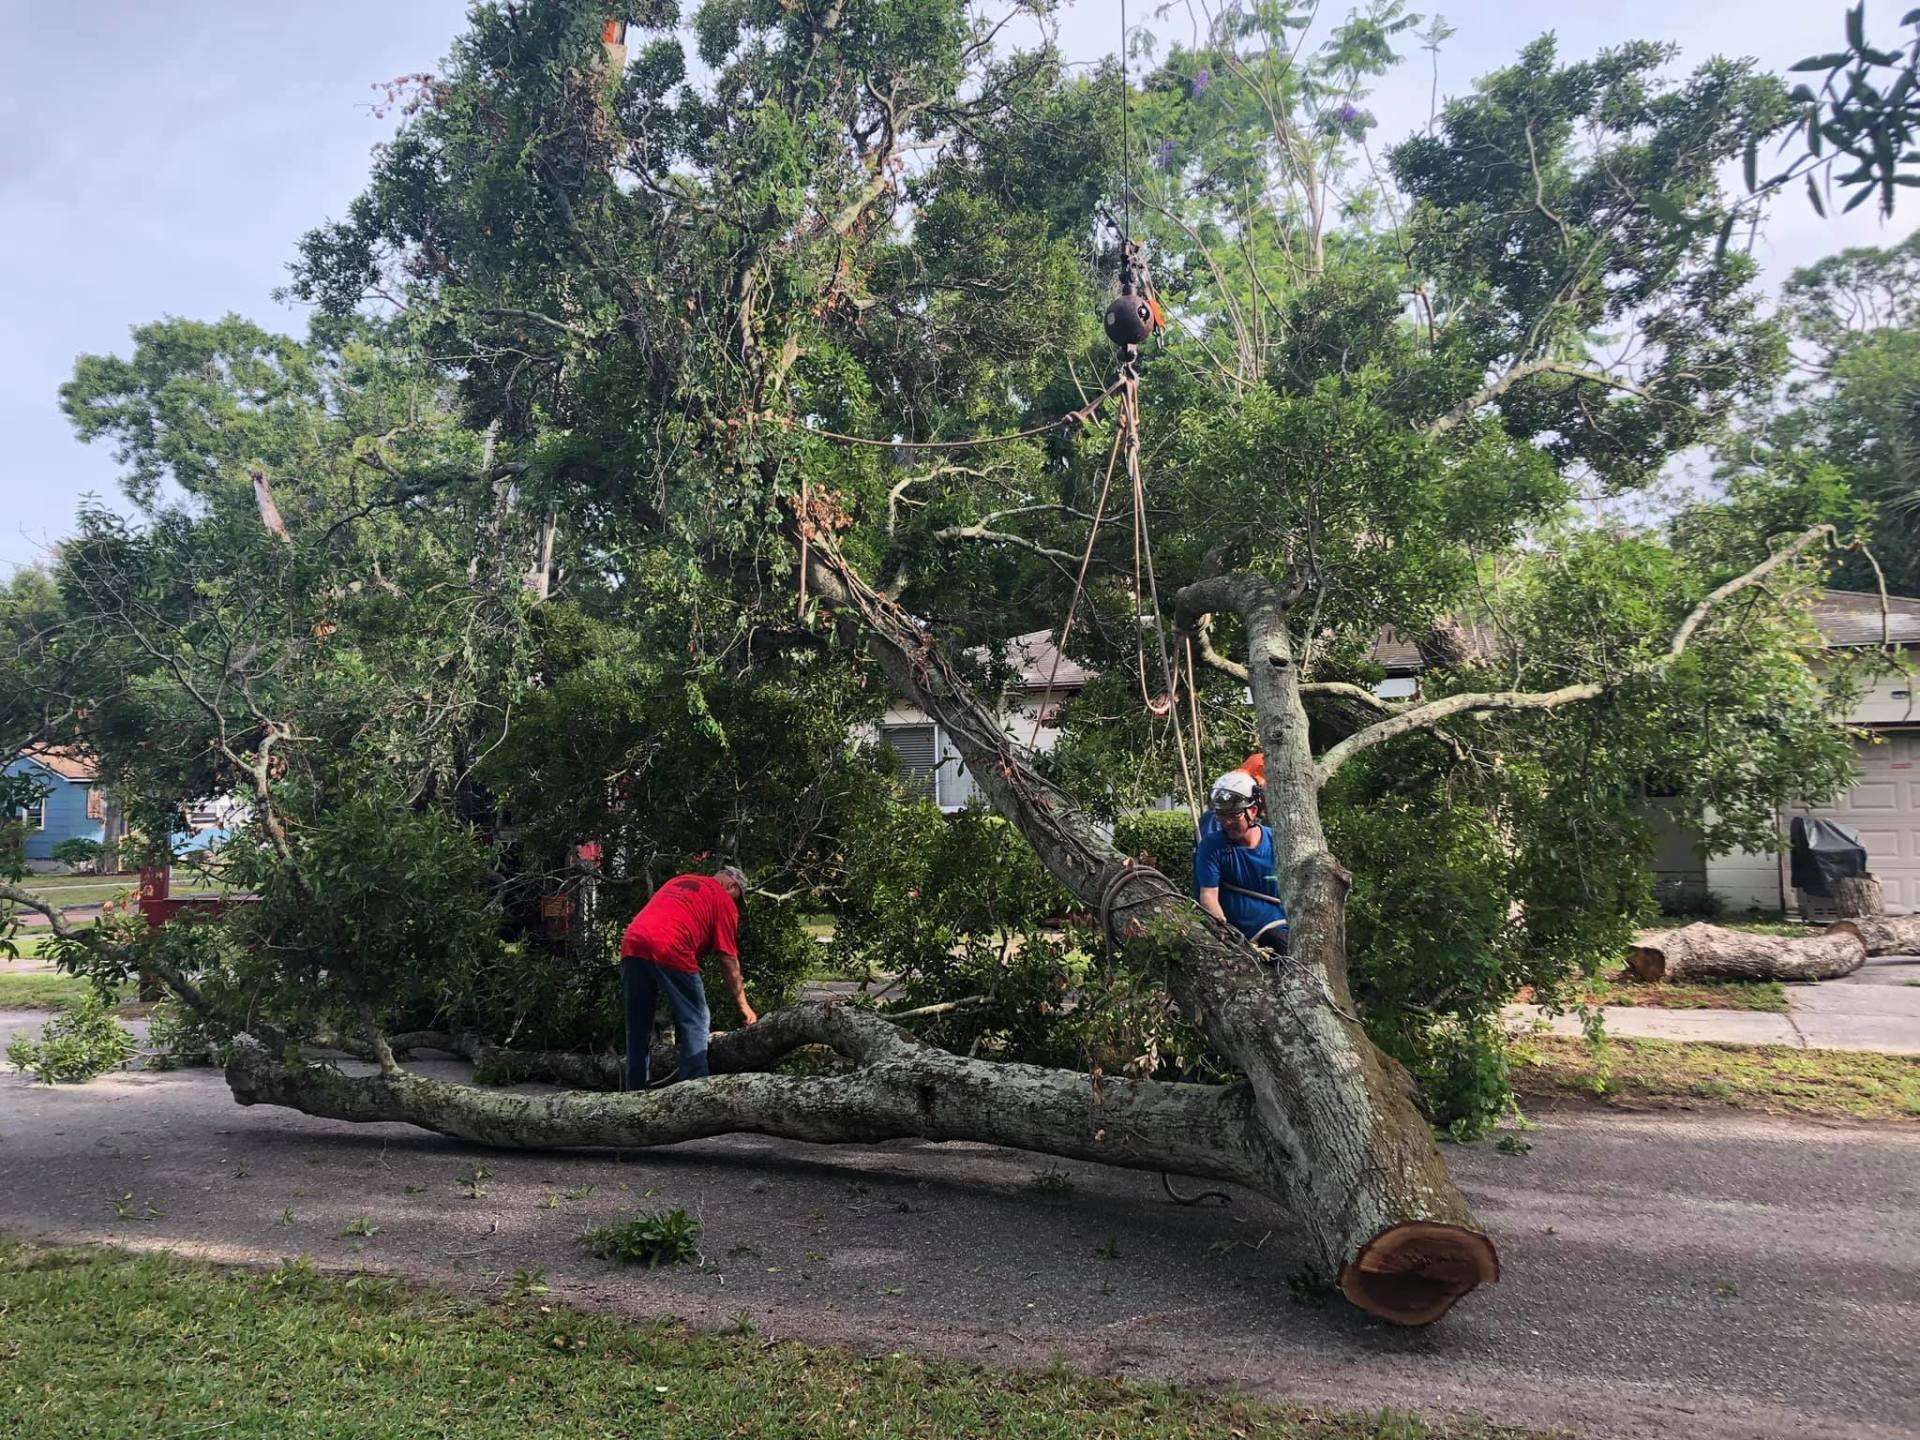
1824	852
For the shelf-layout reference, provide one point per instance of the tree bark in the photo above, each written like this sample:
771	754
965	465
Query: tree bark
1883	934
1711	952
1857	897
901	1088
1343	1146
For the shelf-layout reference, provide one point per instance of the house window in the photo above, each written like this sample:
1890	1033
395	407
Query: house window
917	747
34	813
96	803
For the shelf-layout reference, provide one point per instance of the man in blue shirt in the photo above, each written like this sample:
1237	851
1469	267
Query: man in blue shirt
1233	864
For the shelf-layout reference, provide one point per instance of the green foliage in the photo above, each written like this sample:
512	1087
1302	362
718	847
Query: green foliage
1164	838
179	1039
1866	113
537	583
78	851
81	1041
663	1237
1688	901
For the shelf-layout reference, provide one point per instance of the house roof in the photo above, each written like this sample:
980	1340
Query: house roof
68	764
1042	665
1851	618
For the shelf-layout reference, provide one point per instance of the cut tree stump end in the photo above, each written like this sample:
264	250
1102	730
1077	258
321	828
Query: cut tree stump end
1413	1272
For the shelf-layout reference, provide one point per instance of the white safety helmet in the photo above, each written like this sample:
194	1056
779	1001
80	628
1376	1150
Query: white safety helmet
1233	792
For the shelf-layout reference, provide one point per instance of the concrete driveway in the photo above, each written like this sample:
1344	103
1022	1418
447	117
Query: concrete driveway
1875	1008
1716	1275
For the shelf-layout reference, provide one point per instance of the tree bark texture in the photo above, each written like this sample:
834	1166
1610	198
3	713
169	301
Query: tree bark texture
1712	952
1884	934
901	1088
1345	1148
1858	896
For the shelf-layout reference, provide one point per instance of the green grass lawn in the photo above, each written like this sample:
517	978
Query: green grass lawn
65	890
42	990
1752	927
1774	1078
1765	995
113	1347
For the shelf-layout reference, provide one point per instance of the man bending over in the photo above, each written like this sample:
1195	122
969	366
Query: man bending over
688	917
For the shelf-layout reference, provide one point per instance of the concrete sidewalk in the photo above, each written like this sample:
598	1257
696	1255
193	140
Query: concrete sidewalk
1875	1008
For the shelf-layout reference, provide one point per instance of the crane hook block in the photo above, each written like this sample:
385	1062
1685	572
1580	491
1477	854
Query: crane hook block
1129	320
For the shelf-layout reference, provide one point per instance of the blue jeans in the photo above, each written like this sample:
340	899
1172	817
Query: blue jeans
641	982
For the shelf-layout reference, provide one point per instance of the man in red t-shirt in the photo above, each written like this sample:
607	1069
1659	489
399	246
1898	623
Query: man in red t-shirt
688	917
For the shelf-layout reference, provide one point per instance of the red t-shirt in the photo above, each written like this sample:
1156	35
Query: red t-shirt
689	916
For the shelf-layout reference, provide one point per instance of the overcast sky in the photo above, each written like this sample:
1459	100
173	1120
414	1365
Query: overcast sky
162	158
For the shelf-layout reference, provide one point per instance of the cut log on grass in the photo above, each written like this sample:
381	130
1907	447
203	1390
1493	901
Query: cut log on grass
1713	952
1883	934
1858	896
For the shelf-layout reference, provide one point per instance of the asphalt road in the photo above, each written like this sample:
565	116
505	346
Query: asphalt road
1705	1274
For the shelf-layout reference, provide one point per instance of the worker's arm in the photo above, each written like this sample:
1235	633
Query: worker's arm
730	964
1209	899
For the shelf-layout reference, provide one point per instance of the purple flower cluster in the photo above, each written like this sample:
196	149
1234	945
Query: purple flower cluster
1201	80
1163	156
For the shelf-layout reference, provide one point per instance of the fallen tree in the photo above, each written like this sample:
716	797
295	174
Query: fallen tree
1883	934
658	305
1714	952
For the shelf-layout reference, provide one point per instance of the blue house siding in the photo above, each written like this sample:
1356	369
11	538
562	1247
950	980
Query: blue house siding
66	804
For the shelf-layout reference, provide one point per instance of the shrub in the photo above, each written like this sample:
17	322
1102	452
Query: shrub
178	1038
1164	837
1687	901
82	1041
77	851
664	1237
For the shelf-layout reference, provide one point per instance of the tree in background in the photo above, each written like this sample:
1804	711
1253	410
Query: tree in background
1841	440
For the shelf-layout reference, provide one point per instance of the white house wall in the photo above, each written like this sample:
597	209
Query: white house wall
1889	701
1747	880
954	787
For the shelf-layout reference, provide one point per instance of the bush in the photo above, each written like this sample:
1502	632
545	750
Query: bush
77	852
1164	837
178	1038
665	1237
1687	901
82	1041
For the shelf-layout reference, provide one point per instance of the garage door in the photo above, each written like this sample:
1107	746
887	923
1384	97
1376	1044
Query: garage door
1884	808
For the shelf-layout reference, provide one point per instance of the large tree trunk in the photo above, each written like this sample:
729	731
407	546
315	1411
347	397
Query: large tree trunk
1344	1147
1884	934
900	1088
1858	896
1711	952
1323	1123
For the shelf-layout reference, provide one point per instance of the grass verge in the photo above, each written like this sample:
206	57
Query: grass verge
40	990
1765	995
1790	928
113	1346
1774	1078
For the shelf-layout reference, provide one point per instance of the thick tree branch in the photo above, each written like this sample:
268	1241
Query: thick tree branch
1494	389
1203	647
901	1089
1345	691
1422	716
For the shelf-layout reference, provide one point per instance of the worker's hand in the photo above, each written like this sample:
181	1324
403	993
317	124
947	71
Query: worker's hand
746	1014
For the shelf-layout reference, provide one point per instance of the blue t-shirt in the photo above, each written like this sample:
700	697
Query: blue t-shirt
1217	859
